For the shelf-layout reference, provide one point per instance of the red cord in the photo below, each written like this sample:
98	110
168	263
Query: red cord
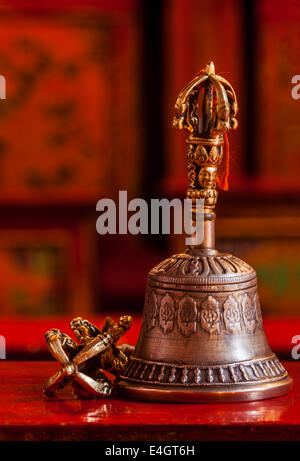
223	181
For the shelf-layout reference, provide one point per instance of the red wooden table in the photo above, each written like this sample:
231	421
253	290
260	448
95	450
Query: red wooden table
26	415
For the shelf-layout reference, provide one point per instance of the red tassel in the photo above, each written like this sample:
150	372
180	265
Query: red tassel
200	72
223	181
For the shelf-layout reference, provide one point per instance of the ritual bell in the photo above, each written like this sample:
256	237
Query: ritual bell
202	336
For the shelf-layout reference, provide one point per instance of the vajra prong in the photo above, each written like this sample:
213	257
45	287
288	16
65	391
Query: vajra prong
83	363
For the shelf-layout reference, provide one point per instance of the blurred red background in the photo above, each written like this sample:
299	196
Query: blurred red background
91	87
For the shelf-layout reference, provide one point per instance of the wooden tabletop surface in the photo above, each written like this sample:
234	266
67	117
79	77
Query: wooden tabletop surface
25	414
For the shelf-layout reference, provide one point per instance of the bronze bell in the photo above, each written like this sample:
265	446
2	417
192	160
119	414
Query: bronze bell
202	337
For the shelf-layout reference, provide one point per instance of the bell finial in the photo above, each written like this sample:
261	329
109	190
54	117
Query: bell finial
210	68
207	107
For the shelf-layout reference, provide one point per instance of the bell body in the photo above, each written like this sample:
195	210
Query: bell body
202	336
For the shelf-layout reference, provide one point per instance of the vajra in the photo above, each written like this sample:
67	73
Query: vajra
83	363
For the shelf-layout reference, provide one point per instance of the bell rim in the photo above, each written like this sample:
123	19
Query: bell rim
217	394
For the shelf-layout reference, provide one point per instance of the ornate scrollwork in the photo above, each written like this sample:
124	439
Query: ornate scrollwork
186	265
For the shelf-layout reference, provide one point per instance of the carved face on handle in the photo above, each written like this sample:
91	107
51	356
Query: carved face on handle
207	177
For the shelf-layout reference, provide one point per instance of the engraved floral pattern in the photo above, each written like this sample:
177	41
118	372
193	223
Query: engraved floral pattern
210	316
152	309
232	315
249	313
187	316
215	314
167	313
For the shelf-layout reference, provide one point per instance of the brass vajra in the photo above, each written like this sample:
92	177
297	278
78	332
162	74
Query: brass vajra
83	363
